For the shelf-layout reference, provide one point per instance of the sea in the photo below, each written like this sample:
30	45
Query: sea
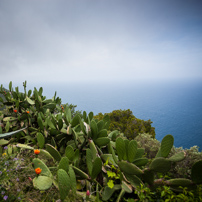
174	106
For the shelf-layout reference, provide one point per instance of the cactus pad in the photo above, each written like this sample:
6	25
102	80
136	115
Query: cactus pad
127	188
64	183
80	173
129	168
196	172
93	149
139	153
148	176
54	152
120	148
42	182
45	153
64	164
102	141
177	157
50	123
94	129
100	125
24	146
40	140
72	177
179	182
141	162
132	149
40	164
11	133
97	167
60	124
166	145
160	165
107	193
3	142
75	121
68	114
90	116
134	180
113	153
89	160
102	133
40	123
126	142
69	152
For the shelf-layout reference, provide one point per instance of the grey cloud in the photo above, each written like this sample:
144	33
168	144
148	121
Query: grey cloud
90	39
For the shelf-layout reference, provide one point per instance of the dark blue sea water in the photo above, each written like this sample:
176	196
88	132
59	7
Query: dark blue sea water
174	107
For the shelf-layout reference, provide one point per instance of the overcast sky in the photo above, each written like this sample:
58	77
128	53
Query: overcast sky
100	40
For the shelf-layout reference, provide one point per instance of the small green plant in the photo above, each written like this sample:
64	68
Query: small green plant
113	174
144	193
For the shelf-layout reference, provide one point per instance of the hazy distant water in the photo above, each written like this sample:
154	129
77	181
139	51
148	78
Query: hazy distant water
174	107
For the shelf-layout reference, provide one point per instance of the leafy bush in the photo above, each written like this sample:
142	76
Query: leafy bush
127	123
180	169
183	168
151	145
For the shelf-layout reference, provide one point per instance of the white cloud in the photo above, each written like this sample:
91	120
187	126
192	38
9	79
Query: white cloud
65	40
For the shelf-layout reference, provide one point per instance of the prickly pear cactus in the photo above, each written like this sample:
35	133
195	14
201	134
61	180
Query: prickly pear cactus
177	157
64	164
69	152
89	161
40	140
132	149
53	151
72	177
120	148
129	168
64	183
37	163
160	164
42	182
97	167
166	146
196	172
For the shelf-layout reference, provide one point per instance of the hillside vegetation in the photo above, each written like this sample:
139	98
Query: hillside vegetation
51	152
128	124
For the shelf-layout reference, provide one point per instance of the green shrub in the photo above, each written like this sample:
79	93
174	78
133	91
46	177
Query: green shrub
183	168
150	144
127	123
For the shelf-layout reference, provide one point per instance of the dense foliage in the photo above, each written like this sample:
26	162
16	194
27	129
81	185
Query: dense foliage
127	123
76	157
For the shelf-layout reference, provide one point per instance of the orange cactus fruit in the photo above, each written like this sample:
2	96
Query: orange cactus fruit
38	171
27	112
15	110
36	151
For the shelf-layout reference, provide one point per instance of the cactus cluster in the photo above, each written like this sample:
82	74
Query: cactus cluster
80	147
